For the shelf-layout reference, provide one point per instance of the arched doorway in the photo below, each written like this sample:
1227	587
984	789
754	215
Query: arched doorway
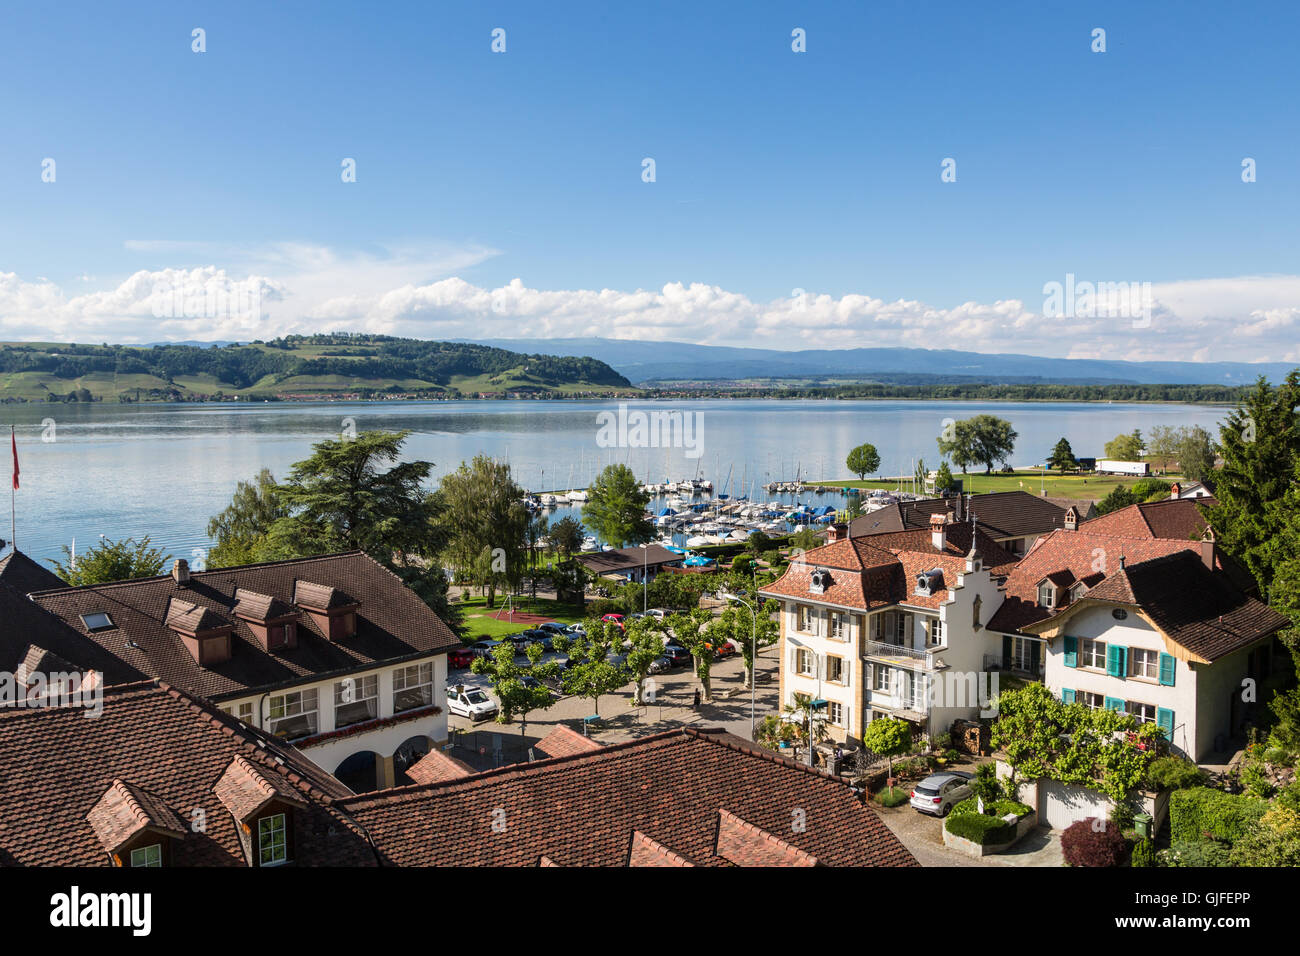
407	755
359	772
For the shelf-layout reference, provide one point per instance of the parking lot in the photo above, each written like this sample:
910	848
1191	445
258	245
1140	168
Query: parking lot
923	837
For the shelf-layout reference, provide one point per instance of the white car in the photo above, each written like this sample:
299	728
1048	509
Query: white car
471	702
657	612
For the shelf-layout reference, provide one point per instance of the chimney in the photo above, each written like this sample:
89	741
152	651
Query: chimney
1207	552
1174	489
181	571
836	532
958	507
939	531
1071	518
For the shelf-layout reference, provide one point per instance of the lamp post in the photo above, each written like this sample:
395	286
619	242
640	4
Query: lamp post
753	663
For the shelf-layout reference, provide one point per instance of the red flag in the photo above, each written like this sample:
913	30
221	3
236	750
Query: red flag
13	441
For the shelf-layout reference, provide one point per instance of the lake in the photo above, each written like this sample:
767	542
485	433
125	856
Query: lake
163	470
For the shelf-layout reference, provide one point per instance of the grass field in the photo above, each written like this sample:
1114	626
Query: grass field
1094	487
480	623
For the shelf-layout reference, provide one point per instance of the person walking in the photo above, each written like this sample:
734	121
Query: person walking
696	704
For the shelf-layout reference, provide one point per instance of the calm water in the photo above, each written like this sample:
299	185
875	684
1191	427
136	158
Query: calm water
163	470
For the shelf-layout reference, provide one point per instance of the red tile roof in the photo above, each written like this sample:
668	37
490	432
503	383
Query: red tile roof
124	811
171	749
436	767
1197	608
392	623
1006	514
244	790
668	786
564	741
1176	518
744	844
648	852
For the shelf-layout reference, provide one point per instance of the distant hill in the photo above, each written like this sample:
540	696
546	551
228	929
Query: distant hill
366	366
645	362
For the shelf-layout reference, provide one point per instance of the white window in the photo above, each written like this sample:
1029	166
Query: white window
1090	700
412	687
147	855
1143	712
243	711
835	670
1047	594
804	620
835	713
1092	653
1145	663
294	715
272	840
356	700
881	679
839	626
934	632
803	661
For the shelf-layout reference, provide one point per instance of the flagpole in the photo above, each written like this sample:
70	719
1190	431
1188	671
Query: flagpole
13	494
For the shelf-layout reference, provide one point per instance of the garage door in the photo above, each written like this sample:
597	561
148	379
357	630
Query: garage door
1061	804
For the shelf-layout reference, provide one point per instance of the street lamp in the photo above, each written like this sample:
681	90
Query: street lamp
753	662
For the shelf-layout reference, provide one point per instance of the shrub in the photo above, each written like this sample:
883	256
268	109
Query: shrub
1256	782
1121	816
742	562
602	606
1200	813
892	796
1092	842
1197	853
1173	773
1144	854
979	828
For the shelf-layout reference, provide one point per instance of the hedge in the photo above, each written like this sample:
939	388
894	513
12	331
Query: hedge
979	828
1198	813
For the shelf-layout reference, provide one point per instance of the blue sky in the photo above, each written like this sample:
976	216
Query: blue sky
775	170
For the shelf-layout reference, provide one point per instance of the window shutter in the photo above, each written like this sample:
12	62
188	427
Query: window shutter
1167	665
1067	695
1116	659
1007	646
1114	703
1165	721
1035	656
1071	651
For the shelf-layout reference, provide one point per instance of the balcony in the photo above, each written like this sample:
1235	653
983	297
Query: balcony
1014	664
903	656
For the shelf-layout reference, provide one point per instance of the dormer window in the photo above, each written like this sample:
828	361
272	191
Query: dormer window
205	633
262	803
147	856
819	581
929	583
272	840
1047	595
98	621
334	612
273	622
135	826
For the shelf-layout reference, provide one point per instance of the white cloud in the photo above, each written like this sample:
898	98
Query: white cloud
416	291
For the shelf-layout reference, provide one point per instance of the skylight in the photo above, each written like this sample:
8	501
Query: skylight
99	621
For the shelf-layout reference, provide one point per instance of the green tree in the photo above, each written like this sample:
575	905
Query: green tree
888	737
645	644
566	536
517	696
805	539
1125	447
1195	452
863	460
1121	497
1162	446
591	674
1062	458
241	531
985	440
616	508
690	630
748	630
943	479
111	560
757	543
482	518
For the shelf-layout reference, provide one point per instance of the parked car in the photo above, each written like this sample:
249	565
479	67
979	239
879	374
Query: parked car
554	627
939	792
724	650
469	701
657	612
675	655
482	648
461	658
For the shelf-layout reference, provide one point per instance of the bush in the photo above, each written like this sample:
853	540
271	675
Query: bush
1173	773
1200	813
602	606
979	828
1144	854
1093	842
892	796
1256	782
742	563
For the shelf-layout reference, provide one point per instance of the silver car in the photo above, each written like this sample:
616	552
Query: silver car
939	792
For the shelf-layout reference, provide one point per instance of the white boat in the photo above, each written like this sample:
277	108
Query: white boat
577	496
589	543
697	541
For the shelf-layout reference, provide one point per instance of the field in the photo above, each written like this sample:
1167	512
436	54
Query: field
482	623
1093	487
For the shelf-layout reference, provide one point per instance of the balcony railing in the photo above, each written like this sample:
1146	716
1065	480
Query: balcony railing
1014	665
900	653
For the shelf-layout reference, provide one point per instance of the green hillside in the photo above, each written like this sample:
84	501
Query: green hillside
294	367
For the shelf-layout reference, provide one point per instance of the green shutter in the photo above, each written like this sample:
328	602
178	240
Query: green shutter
1035	658
1116	661
1067	695
1114	703
1165	721
1007	647
1167	664
1071	651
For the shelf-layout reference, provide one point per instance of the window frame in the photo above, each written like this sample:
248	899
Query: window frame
313	713
282	843
1152	661
1098	650
360	697
152	861
401	674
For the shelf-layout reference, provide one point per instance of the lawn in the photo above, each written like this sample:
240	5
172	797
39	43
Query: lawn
1094	487
480	623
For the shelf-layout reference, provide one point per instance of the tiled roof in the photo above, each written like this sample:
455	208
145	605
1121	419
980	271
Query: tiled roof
1197	608
744	844
1086	507
626	559
260	607
872	571
668	786
24	575
648	852
24	624
564	741
124	811
436	767
189	617
1081	553
320	597
392	623
244	790
171	749
1179	519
